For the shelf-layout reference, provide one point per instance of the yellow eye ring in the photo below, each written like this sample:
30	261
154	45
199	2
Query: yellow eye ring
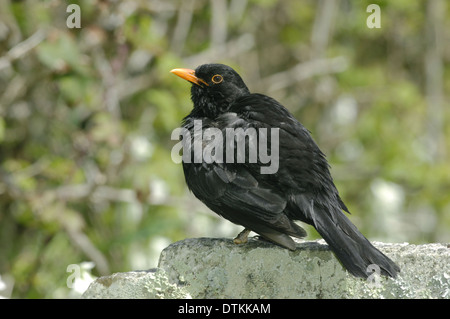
216	79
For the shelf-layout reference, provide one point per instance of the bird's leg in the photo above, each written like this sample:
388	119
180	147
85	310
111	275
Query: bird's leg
242	237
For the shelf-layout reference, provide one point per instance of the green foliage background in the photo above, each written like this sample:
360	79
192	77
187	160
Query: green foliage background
86	116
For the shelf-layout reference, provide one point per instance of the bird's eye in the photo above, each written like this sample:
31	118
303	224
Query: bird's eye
216	79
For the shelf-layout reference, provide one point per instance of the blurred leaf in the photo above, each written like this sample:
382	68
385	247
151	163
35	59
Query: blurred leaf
62	53
169	112
2	129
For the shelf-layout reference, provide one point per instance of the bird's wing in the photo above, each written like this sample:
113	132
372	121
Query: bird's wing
234	193
303	169
302	165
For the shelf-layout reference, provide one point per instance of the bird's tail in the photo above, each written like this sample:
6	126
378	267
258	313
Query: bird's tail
354	251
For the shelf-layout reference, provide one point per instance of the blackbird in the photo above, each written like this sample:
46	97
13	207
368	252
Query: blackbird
299	188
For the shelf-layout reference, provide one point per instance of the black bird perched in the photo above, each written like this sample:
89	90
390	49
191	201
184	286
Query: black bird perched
301	188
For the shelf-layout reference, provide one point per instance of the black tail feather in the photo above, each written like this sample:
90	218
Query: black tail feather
354	251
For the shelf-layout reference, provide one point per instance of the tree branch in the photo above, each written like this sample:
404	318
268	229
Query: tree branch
303	71
22	48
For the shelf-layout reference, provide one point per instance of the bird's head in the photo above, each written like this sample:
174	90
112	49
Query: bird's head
215	87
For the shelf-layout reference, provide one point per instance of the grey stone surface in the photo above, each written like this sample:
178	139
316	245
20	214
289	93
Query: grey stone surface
217	268
151	284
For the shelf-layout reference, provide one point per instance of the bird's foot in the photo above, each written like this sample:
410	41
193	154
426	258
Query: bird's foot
242	238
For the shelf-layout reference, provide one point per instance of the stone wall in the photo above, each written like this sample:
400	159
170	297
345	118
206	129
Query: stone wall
217	268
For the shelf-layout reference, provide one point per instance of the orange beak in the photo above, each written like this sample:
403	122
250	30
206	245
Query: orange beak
189	75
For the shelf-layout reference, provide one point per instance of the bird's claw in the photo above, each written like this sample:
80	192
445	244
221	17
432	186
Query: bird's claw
242	238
